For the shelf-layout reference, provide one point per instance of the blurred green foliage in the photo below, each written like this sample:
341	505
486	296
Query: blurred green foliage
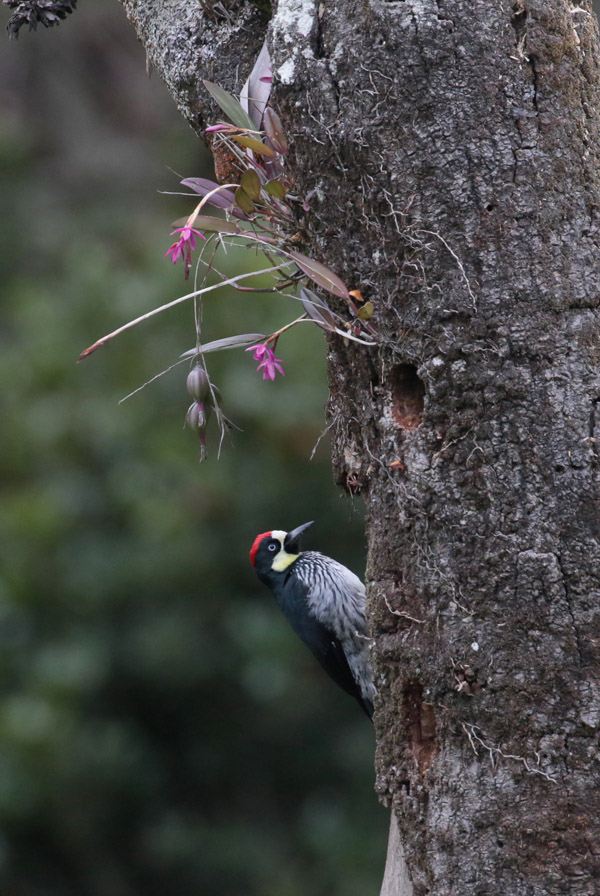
161	729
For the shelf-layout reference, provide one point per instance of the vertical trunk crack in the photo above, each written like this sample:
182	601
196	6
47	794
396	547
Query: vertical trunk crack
569	606
534	98
592	432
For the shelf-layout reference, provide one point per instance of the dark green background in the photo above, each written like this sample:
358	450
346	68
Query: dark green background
161	730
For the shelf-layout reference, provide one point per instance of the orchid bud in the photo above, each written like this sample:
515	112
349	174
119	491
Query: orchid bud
197	415
198	383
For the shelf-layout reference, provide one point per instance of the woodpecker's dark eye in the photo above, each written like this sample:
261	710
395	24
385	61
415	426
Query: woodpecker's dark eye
273	546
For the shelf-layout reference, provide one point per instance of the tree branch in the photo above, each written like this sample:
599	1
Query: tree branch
188	42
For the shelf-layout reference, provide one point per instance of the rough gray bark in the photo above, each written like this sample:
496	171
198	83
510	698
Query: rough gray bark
453	148
187	44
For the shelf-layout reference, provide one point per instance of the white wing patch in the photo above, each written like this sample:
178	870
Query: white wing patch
337	599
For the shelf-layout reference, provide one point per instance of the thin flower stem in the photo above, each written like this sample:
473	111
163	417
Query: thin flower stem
198	306
189	295
275	336
309	320
154	378
205	199
262	289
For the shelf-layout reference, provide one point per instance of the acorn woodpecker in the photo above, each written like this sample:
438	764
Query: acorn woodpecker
325	605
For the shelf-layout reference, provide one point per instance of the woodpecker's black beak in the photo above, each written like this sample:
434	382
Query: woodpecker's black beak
290	542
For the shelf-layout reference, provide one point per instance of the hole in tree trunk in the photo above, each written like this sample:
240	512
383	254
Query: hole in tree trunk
420	724
408	396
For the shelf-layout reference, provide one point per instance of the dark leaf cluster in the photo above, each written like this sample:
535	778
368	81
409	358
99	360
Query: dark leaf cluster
34	12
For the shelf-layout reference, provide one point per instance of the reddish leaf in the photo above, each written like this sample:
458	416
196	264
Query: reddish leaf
321	275
274	131
316	309
255	92
224	198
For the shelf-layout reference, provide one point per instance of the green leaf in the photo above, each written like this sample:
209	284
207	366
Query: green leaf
365	312
250	183
276	188
255	145
243	200
230	106
321	275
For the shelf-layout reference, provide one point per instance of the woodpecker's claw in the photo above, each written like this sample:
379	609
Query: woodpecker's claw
290	543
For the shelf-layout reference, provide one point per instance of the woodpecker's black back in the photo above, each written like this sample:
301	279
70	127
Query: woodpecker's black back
324	604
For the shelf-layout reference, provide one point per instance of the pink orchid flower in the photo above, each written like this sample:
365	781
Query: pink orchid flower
184	246
269	364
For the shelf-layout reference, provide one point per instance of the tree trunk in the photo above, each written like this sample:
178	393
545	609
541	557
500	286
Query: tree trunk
452	151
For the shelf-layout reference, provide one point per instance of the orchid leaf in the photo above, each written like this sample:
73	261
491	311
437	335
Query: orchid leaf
365	312
317	309
276	188
316	316
321	275
274	131
273	168
255	92
219	345
224	198
255	145
243	200
250	183
230	106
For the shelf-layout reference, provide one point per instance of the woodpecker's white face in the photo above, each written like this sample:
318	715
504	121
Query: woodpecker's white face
281	558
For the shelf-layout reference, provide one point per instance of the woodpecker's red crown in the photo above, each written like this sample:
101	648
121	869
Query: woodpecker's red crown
256	545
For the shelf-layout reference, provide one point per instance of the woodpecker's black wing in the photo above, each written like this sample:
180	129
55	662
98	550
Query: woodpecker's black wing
322	643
